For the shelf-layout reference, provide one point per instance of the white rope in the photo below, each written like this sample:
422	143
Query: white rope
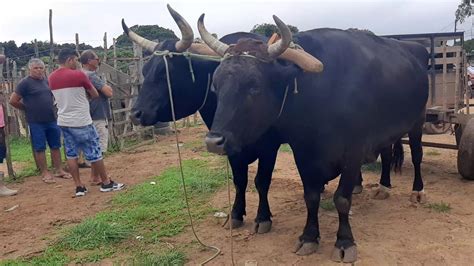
207	91
284	101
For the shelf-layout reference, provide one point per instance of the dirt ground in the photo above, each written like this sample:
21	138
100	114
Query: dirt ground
387	232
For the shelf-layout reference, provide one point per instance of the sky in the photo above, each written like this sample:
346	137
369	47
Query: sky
23	21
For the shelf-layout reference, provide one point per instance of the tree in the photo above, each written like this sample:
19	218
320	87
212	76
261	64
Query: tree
267	29
464	11
150	32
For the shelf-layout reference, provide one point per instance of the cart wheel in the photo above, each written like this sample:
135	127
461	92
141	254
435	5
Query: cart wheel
436	128
466	152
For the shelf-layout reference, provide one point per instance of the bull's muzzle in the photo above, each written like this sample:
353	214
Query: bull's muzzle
215	143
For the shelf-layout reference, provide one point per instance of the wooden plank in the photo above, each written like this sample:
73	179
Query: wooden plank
449	49
434	144
128	109
445	69
447	61
456	83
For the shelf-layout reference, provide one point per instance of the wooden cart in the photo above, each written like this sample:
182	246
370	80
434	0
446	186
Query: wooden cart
450	96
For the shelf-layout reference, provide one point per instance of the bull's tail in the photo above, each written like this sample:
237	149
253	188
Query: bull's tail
397	156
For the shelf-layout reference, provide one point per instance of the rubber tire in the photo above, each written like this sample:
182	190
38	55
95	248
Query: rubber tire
466	152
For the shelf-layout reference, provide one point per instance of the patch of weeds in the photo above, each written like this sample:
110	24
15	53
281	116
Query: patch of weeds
285	148
51	256
440	207
94	256
433	153
195	144
93	233
172	257
327	204
372	167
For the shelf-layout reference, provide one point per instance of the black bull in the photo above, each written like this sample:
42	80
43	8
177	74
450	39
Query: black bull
372	91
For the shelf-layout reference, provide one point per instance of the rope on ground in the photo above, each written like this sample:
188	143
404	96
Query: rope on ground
218	251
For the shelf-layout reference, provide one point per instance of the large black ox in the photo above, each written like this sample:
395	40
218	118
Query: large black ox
153	105
371	92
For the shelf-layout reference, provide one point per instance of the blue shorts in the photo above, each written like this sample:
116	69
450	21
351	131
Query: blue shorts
42	132
85	139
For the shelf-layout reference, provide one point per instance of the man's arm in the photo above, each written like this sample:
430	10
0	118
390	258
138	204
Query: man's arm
86	83
15	101
107	91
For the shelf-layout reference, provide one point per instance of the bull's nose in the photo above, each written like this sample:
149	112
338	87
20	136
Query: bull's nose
135	116
215	143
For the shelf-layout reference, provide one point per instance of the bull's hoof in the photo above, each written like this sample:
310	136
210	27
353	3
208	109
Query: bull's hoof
262	227
347	255
236	223
305	248
418	197
357	189
381	193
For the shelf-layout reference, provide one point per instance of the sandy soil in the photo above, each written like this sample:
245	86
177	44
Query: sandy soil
388	232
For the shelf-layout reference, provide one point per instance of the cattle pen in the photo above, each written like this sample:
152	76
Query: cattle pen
449	97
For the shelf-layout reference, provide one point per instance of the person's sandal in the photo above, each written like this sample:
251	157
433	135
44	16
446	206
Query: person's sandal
48	180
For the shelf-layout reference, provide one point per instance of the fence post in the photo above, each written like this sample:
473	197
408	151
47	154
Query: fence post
105	47
115	52
77	43
36	49
51	44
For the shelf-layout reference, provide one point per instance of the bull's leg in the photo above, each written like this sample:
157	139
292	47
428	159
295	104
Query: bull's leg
416	148
266	164
240	178
345	249
358	186
383	191
308	242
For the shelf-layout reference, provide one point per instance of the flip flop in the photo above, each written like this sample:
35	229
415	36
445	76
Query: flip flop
65	175
48	180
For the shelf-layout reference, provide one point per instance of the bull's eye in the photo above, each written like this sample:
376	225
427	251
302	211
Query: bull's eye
254	91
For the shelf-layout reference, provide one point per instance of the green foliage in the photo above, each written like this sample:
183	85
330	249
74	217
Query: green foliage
440	207
469	46
372	167
22	54
171	258
138	219
463	11
93	233
285	148
327	204
51	256
150	32
267	29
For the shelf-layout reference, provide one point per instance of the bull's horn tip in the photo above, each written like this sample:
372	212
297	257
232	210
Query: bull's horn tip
201	18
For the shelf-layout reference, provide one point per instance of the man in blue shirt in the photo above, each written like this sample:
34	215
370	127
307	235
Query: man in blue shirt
33	96
99	107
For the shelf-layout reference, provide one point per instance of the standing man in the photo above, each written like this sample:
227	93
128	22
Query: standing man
70	88
34	97
99	107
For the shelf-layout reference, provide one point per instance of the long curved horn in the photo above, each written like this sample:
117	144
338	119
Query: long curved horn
219	47
187	35
281	45
306	61
147	44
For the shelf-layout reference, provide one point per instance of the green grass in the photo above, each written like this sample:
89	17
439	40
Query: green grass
138	220
21	152
433	153
372	167
440	207
285	148
327	204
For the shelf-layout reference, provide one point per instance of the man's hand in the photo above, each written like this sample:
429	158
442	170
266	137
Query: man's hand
15	101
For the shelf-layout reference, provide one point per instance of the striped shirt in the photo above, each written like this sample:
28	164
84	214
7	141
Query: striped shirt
69	89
